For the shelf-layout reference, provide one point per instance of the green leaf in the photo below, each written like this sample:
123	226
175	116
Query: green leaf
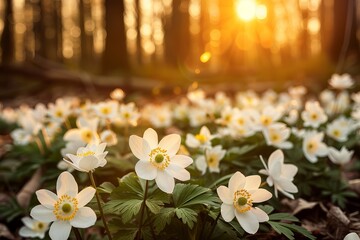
266	208
163	218
106	187
242	150
300	230
154	206
221	180
187	195
129	188
127	209
282	230
187	215
283	216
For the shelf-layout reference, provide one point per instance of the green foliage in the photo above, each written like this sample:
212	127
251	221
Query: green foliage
188	195
10	210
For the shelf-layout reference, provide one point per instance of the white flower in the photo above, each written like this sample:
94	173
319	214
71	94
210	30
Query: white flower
200	140
280	175
197	117
128	115
212	159
159	160
313	115
277	134
292	117
238	199
88	158
9	115
226	116
313	146
106	110
356	98
65	209
352	236
196	96
33	228
337	130
28	131
160	116
268	116
247	99
86	131
109	137
297	91
327	96
340	157
341	81
60	110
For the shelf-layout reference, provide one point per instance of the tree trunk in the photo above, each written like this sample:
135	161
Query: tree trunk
115	55
7	38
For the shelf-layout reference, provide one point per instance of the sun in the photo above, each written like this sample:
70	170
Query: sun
246	9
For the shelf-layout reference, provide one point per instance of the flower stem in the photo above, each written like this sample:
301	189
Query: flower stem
77	234
213	225
138	235
99	204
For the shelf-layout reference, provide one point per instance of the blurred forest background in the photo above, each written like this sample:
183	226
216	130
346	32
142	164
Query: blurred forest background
173	43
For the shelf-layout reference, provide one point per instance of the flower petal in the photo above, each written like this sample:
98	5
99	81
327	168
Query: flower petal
252	182
88	163
85	217
28	222
191	141
200	164
151	137
46	198
182	160
225	195
27	232
178	172
139	147
227	212
275	157
42	214
85	196
146	170
60	230
236	182
73	135
248	221
260	214
171	143
165	182
66	184
260	195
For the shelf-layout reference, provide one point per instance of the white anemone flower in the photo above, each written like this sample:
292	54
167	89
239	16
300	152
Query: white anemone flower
200	140
313	147
211	160
197	116
238	199
280	175
340	157
338	131
352	236
88	158
109	137
33	228
128	115
106	110
65	209
341	82
268	116
314	114
277	134
60	110
158	160
86	131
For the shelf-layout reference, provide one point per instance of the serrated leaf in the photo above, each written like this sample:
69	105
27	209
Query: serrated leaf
129	188
127	209
282	216
282	230
300	230
186	195
242	150
154	206
187	216
163	218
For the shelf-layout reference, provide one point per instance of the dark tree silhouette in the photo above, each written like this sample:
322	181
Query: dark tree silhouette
115	55
7	38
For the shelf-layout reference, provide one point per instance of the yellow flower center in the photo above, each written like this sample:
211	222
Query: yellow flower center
86	135
274	137
85	154
201	138
336	133
211	161
314	116
59	113
311	147
105	110
159	158
266	120
126	115
242	201
65	208
39	227
241	121
228	118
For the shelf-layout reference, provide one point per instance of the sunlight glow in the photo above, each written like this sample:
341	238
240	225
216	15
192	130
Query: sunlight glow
205	57
246	9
